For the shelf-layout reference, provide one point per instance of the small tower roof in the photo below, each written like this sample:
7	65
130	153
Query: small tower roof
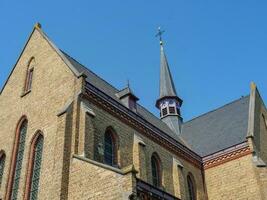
127	92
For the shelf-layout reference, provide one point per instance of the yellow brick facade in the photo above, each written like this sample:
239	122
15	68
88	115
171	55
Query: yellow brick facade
233	180
74	126
53	84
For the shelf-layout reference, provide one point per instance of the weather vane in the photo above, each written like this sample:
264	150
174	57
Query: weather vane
159	34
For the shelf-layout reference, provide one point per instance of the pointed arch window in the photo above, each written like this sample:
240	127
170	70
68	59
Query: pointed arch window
34	167
191	187
17	158
110	148
2	166
29	76
156	170
264	121
28	85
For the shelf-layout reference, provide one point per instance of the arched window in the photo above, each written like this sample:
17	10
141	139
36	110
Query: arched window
29	75
191	187
17	158
156	170
264	121
34	167
110	148
2	165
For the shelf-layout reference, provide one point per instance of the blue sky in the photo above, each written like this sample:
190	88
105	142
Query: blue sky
215	48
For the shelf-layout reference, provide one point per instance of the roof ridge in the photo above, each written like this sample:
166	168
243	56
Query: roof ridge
148	111
90	70
227	104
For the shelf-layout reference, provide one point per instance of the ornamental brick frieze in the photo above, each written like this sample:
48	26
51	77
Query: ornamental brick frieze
223	157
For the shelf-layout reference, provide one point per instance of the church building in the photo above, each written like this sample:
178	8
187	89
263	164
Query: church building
67	134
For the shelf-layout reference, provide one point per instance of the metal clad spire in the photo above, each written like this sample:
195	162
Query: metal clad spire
168	103
167	87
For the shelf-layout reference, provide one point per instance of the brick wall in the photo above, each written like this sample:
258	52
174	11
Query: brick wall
233	180
53	85
131	152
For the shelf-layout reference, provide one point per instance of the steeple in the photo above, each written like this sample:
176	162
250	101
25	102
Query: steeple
167	87
168	103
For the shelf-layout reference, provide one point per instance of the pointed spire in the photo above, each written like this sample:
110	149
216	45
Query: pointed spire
167	88
168	103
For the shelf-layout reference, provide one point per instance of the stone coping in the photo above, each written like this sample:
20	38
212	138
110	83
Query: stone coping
123	171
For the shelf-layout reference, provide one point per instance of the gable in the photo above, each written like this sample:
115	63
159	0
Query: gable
37	34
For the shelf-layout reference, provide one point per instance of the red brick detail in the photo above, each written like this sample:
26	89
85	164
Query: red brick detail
30	164
227	157
13	158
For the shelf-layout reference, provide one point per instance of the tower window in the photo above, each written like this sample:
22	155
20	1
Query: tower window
172	110
164	111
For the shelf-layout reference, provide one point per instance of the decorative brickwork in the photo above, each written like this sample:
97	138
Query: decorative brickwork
226	156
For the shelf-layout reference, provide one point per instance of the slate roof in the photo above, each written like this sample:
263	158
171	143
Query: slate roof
111	91
167	87
218	129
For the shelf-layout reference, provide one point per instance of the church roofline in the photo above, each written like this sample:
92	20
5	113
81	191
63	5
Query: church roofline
38	27
214	110
35	27
126	92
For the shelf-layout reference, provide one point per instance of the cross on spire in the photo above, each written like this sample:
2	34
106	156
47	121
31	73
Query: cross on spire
159	34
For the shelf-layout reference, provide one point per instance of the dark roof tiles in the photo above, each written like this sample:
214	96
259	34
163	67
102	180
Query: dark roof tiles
167	87
218	129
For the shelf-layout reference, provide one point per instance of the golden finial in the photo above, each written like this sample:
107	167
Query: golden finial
38	25
252	86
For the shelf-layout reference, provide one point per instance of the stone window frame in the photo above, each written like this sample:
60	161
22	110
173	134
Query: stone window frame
158	164
264	120
15	152
191	184
38	137
115	147
2	165
29	76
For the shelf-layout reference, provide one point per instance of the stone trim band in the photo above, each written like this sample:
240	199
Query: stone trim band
227	155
